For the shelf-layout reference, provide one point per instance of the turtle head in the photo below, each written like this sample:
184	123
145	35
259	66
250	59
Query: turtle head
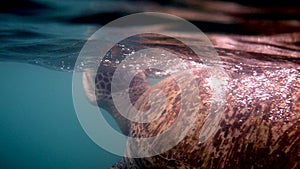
98	89
97	86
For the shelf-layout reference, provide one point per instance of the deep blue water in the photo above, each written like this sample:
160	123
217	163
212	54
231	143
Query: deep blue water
38	124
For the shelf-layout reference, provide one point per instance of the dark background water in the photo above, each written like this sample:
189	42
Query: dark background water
38	124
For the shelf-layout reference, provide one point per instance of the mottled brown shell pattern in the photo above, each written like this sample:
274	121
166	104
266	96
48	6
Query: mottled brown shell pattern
259	128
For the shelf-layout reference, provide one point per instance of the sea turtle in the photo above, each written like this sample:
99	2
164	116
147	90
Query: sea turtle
259	125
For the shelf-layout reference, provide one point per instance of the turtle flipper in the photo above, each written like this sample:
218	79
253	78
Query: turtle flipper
119	165
89	86
125	163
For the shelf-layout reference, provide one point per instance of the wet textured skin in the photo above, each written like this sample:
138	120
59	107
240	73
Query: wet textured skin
259	126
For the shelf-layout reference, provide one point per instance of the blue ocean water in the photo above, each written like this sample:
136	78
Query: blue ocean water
38	124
